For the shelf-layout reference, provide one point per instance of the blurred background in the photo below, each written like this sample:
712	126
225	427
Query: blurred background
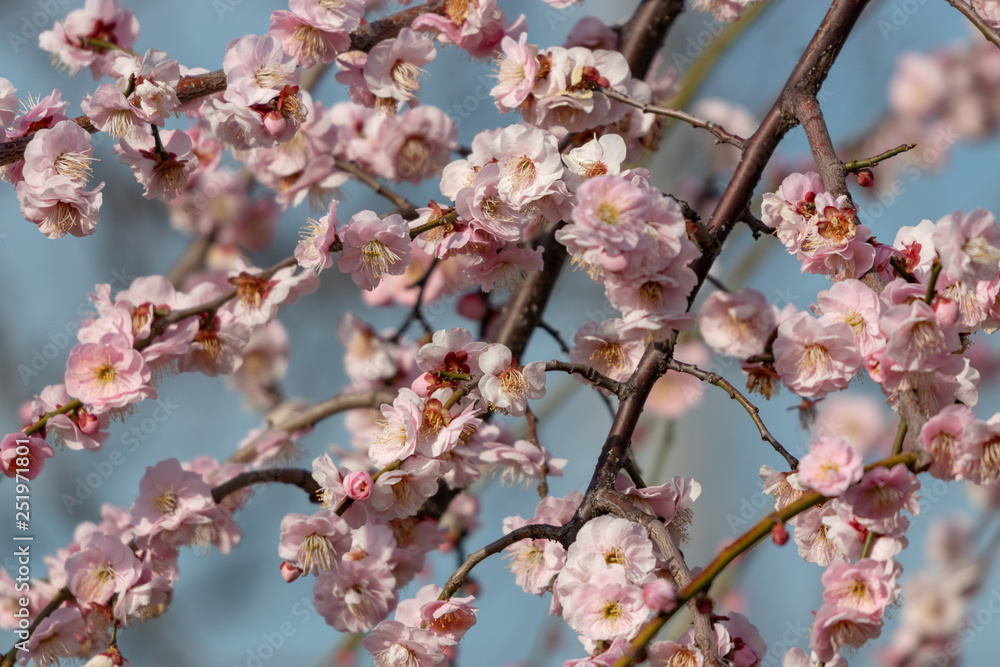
235	610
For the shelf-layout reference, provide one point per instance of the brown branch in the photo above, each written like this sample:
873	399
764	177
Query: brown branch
530	532
722	134
975	19
543	472
309	418
299	477
802	103
752	410
405	206
416	312
587	373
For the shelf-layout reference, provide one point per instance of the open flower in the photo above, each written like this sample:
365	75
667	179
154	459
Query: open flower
507	386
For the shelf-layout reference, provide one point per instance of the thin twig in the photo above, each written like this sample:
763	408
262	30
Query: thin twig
406	208
587	373
543	473
416	312
752	410
855	165
970	13
722	135
552	331
299	477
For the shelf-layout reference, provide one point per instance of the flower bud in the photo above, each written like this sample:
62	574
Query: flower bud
779	534
358	485
289	572
866	178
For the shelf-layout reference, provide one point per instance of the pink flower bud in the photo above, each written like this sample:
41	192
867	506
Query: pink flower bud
289	572
779	534
358	485
88	423
659	596
866	178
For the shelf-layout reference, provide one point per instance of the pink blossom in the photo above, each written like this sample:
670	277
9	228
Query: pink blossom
603	346
670	653
610	214
61	208
358	485
393	644
506	269
978	452
529	163
258	298
837	627
989	10
398	494
414	145
833	243
393	68
534	562
597	157
24	455
103	567
606	607
868	586
8	105
162	166
452	350
313	251
516	73
155	86
374	247
107	376
814	359
791	206
505	385
448	620
313	544
854	303
307	40
330	480
56	637
940	436
257	69
520	462
737	324
63	152
881	495
607	542
99	19
969	245
355	595
172	503
831	466
110	111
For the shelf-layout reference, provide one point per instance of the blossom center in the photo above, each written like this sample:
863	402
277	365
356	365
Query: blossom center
310	41
269	76
376	257
981	252
166	503
611	356
74	165
514	382
315	553
106	373
406	75
608	213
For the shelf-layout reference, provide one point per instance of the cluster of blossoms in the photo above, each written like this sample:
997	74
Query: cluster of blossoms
611	579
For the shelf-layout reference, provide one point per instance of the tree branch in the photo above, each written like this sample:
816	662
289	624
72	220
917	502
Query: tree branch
752	410
969	12
587	373
299	477
722	134
405	206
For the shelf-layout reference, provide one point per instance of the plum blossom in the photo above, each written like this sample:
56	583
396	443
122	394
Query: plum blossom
505	385
393	644
448	620
737	324
161	162
15	462
56	637
355	595
77	429
313	251
603	346
103	567
814	359
517	69
172	503
606	607
155	84
969	245
104	20
108	376
313	544
373	248
831	466
393	68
